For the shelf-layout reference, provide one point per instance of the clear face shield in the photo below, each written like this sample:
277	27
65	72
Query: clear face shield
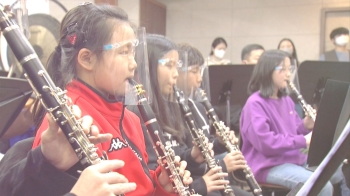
190	81
205	85
169	68
124	67
140	85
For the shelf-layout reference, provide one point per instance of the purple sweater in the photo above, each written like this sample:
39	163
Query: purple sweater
272	134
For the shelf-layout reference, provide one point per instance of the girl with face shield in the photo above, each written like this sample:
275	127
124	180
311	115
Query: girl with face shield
163	59
95	61
189	82
164	65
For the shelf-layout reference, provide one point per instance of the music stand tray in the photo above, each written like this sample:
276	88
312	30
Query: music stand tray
14	93
311	73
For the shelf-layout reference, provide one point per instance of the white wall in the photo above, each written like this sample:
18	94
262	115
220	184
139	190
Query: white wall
240	22
243	22
58	12
132	7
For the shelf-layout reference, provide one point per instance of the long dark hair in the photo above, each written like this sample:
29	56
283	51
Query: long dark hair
294	54
167	114
261	79
85	26
216	42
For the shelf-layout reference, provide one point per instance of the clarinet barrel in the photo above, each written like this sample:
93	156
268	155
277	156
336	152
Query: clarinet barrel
306	107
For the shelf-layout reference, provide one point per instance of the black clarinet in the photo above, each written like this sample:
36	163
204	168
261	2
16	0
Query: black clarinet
165	153
306	107
52	98
198	136
220	129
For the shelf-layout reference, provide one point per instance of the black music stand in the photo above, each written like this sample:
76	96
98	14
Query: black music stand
313	74
14	93
330	139
224	97
333	114
238	74
233	78
5	74
327	167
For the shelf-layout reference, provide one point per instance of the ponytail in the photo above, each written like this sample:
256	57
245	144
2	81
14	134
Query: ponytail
52	68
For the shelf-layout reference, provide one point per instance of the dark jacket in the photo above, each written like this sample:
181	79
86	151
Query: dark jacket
346	171
332	55
32	175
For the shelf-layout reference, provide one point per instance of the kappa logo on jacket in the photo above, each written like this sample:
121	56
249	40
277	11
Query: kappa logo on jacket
117	144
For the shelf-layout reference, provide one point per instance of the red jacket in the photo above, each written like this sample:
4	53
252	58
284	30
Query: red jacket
107	117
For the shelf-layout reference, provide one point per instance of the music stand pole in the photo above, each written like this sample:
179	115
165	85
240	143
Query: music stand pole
327	167
228	117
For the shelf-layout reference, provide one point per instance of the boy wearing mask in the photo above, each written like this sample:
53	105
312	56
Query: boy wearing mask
340	39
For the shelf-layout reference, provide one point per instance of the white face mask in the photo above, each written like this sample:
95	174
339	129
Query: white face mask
219	53
288	50
342	40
